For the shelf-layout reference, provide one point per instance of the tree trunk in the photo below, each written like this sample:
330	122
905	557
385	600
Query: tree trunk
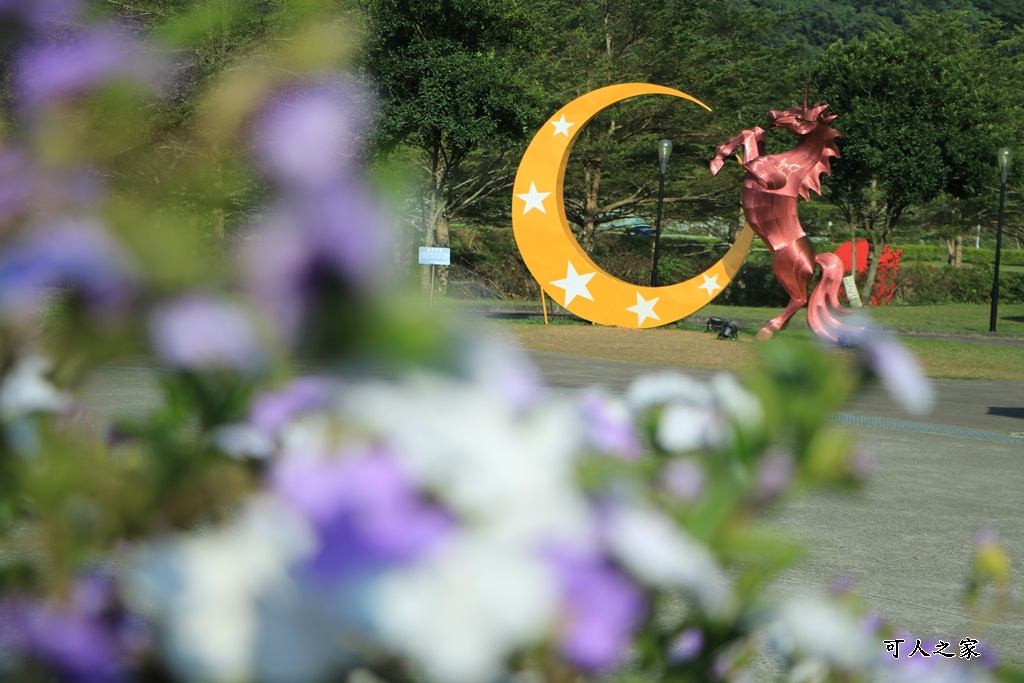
874	252
437	220
875	245
592	178
442	241
428	241
958	251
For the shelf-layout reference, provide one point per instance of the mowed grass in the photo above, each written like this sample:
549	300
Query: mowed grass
688	348
952	317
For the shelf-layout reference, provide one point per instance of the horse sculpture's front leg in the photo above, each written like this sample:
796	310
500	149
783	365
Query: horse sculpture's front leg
753	147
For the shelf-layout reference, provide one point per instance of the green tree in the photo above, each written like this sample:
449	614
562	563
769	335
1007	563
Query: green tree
453	96
701	47
912	119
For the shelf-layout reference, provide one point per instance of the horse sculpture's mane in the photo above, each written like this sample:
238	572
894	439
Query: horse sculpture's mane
812	181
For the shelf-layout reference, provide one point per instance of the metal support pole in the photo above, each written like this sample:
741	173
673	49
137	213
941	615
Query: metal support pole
657	230
431	288
999	246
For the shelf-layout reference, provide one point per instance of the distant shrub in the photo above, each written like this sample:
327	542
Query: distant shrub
919	283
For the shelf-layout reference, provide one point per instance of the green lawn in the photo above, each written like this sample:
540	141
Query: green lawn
940	358
953	317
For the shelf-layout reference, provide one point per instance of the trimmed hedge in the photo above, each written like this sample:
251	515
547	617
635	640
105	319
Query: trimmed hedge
921	283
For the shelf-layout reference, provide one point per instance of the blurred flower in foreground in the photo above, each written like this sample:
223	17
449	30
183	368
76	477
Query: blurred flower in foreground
205	332
205	589
364	509
309	136
76	255
65	66
895	366
464	609
320	247
655	550
25	389
89	639
900	374
609	426
819	629
602	610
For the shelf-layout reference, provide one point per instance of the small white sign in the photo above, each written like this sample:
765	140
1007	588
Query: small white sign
851	291
435	256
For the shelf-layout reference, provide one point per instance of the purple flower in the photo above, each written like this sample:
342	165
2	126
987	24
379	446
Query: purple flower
90	638
204	332
73	66
78	255
843	585
900	374
684	479
363	507
315	244
687	646
774	472
17	182
272	410
602	609
309	137
608	426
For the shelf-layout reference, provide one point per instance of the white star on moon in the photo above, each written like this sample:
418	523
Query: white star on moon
710	284
561	126
574	285
533	199
644	309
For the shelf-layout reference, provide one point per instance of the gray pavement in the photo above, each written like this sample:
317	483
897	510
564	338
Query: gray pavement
905	538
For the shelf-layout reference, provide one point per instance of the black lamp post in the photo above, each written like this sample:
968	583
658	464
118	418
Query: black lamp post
1005	155
664	151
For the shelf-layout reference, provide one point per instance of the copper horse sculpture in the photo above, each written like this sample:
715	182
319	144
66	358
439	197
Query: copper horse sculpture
771	189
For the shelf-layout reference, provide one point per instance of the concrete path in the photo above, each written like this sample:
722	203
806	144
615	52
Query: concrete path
905	538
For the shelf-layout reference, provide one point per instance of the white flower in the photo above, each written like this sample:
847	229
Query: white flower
26	390
663	555
735	401
205	588
504	370
464	609
667	387
510	472
818	629
243	441
685	428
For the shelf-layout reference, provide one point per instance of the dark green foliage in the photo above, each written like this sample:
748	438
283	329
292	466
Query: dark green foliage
926	284
755	285
448	72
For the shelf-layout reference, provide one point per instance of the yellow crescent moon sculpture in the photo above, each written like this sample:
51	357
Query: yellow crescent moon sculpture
555	258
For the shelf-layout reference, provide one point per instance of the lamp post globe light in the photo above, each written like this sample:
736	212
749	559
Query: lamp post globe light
664	151
1004	157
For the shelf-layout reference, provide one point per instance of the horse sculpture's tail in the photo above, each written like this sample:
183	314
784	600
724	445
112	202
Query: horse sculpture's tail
823	305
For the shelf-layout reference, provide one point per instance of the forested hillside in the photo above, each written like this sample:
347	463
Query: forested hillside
819	23
925	91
